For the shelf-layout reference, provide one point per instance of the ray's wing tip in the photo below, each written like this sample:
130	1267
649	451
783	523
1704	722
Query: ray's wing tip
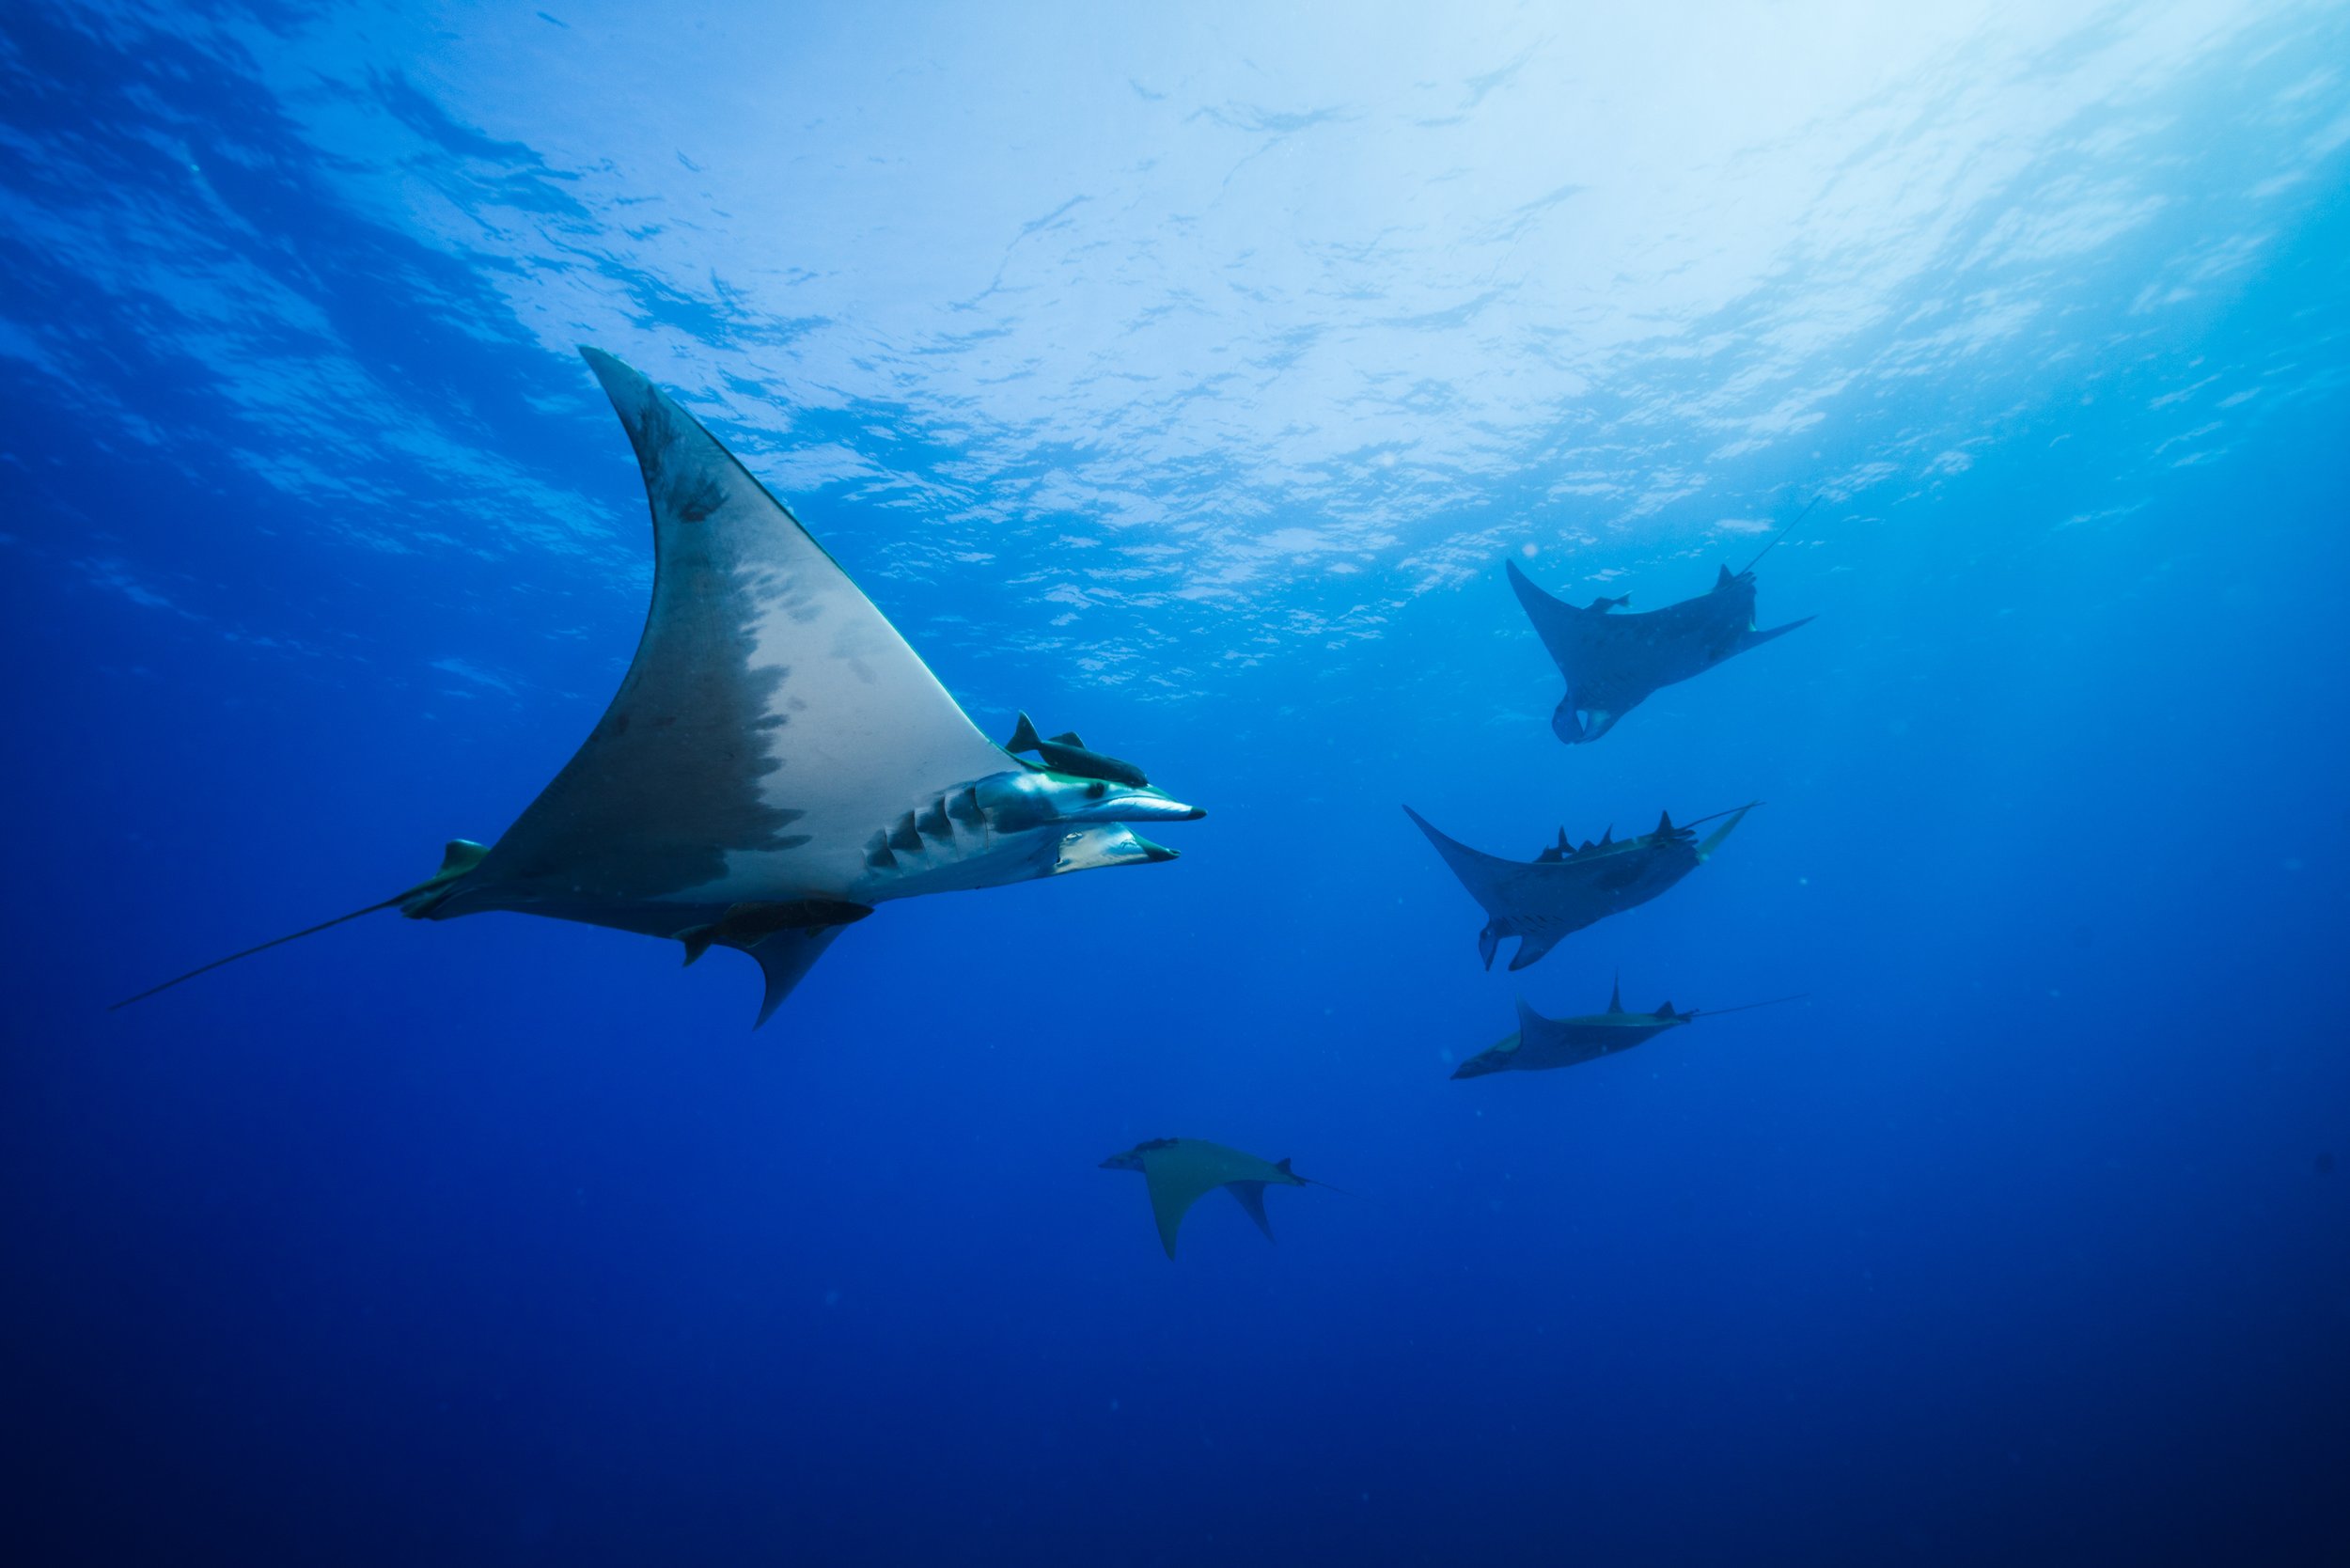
1434	834
1531	595
616	374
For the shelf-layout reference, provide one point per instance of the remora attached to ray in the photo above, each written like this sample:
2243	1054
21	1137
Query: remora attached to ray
777	760
1180	1171
1569	886
1613	662
1541	1044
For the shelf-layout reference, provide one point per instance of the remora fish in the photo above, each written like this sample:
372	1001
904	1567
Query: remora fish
1068	754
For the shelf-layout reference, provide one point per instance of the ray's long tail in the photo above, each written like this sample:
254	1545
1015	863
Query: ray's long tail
1779	538
461	857
274	942
1748	1007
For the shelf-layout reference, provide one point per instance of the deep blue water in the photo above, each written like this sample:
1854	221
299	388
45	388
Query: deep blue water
1187	383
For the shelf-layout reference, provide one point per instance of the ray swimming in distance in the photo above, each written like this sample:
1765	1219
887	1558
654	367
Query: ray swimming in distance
1180	1171
777	760
1569	886
1613	662
1541	1044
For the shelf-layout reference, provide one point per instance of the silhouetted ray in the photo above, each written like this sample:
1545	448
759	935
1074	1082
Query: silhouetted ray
1541	1044
1613	662
1566	888
1181	1170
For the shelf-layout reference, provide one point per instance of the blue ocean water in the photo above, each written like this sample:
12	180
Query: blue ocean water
1186	381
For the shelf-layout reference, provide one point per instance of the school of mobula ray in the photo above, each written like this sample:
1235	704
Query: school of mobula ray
778	762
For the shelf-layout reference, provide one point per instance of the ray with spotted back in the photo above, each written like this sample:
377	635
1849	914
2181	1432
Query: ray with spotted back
778	761
1569	886
1180	1171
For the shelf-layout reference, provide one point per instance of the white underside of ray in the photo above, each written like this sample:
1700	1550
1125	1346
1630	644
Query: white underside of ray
776	760
772	722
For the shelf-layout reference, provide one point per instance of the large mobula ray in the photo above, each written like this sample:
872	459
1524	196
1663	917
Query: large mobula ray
1613	662
1541	1044
1569	886
778	761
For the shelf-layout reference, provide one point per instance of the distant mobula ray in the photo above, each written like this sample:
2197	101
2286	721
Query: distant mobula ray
1613	662
1569	886
1180	1171
1541	1044
778	761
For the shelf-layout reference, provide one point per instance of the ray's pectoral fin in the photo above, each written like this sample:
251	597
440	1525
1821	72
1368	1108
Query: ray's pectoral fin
1167	1208
759	657
1560	624
1756	639
1533	946
1250	1196
1174	1189
784	959
1714	840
